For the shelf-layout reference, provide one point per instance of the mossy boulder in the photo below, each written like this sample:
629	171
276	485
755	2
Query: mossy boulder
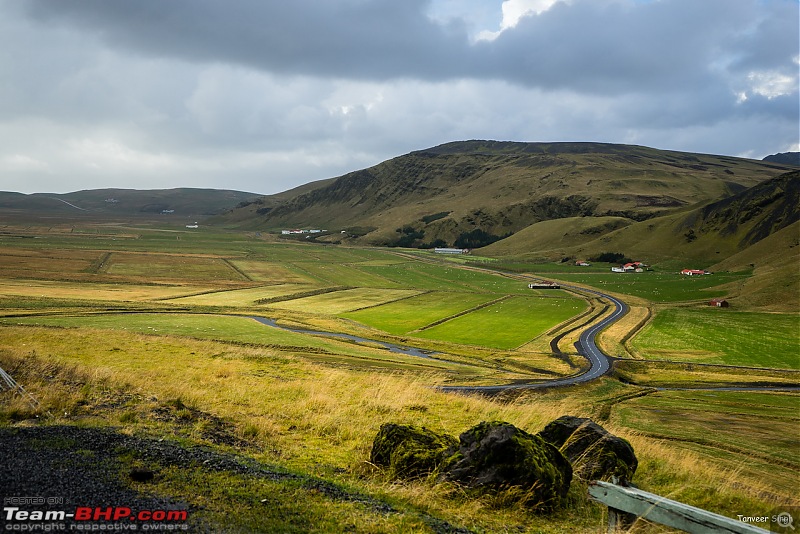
409	451
500	456
595	453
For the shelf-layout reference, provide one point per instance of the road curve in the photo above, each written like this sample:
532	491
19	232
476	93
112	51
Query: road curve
599	362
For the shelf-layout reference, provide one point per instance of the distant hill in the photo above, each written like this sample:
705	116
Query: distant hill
705	234
476	192
785	158
181	203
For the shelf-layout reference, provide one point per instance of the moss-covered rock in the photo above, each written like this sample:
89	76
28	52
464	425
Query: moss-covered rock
595	453
409	451
500	456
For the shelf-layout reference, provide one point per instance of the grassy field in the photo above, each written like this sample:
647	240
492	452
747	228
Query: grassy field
656	286
713	335
316	420
726	425
409	314
507	324
184	370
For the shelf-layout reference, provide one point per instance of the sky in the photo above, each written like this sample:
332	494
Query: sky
265	95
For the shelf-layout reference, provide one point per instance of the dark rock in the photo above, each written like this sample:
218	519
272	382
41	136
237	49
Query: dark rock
595	453
141	474
498	455
409	451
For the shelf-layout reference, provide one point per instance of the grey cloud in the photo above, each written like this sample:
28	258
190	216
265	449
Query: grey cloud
586	44
350	38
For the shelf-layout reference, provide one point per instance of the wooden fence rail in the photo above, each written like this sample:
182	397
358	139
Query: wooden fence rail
656	509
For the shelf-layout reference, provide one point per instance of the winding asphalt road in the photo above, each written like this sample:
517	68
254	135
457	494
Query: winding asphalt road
599	362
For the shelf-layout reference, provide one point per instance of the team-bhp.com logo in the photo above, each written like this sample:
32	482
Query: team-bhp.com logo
116	518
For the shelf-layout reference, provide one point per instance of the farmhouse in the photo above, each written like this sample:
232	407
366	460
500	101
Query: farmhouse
719	303
694	272
632	267
442	250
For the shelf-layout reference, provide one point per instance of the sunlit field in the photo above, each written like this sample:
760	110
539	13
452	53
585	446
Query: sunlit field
713	335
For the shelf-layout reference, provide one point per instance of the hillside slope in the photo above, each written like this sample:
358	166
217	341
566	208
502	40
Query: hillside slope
499	188
706	234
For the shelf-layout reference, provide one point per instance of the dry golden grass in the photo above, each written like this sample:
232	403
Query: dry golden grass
309	416
110	292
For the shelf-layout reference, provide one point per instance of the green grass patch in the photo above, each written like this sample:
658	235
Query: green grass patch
409	314
656	286
343	301
446	278
722	336
507	324
328	272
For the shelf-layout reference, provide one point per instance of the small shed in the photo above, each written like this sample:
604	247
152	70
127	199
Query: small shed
719	303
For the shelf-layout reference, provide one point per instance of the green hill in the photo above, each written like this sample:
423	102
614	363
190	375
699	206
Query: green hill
493	189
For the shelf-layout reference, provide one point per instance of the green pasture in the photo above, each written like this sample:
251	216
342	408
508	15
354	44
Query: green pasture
722	336
751	424
507	324
337	302
656	286
446	278
336	274
405	315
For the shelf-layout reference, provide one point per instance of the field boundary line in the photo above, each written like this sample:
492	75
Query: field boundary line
302	294
425	292
724	366
243	274
461	314
209	292
101	264
625	341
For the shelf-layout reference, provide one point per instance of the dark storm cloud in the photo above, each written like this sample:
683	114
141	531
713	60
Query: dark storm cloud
587	45
350	38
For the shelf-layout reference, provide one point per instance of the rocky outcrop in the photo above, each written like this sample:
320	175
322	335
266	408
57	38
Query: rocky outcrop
595	454
492	456
410	451
497	455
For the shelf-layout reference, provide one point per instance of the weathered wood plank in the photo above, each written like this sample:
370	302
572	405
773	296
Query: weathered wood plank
657	509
